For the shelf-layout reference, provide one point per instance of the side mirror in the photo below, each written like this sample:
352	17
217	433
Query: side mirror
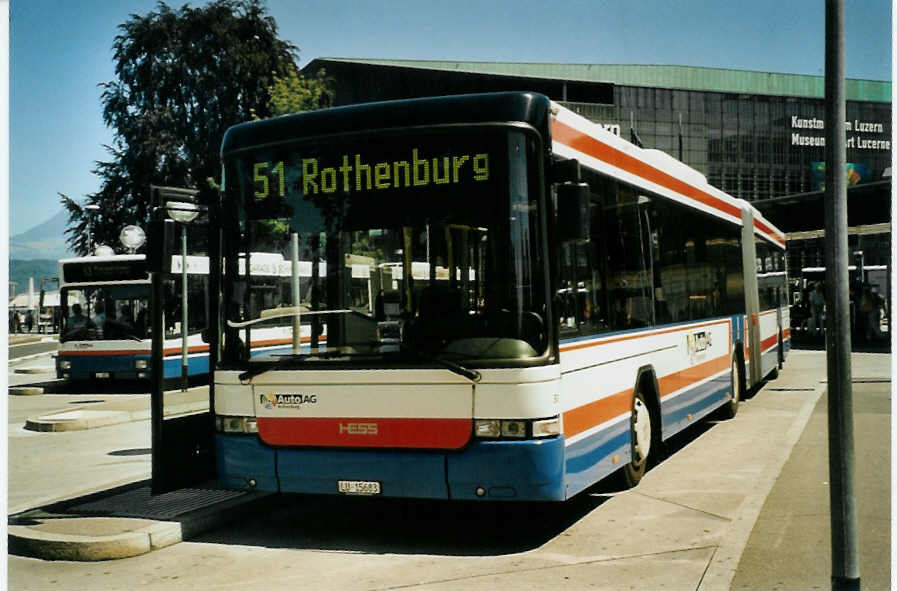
573	212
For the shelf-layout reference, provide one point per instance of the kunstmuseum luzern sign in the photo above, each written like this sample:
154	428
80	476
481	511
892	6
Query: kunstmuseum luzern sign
855	133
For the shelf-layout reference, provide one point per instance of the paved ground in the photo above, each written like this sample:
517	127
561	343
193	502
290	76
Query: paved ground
790	545
740	504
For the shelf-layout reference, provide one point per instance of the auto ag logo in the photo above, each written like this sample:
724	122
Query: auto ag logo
358	428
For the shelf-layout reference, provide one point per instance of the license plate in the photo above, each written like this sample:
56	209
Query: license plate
102	374
358	487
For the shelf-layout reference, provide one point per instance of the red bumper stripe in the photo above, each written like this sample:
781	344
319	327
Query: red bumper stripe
366	432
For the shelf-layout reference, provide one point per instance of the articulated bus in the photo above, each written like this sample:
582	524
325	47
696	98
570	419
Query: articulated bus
541	303
105	329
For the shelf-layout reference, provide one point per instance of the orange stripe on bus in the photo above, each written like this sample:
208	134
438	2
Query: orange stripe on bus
769	342
588	145
682	379
594	413
629	337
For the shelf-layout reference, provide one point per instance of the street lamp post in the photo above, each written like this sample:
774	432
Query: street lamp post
91	208
182	447
183	212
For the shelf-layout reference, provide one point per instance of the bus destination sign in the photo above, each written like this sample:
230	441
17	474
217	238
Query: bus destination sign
353	173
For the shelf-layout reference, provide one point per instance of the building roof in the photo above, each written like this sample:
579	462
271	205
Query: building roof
678	77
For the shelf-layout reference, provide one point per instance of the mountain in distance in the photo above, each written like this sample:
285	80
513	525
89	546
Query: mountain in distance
44	241
36	269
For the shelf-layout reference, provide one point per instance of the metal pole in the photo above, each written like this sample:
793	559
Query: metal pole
184	308
845	549
89	230
157	378
294	267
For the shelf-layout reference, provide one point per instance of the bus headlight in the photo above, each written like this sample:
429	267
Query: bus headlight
547	427
513	429
517	428
224	424
487	428
65	364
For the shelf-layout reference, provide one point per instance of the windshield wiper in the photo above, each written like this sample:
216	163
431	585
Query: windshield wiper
286	312
260	367
471	374
287	360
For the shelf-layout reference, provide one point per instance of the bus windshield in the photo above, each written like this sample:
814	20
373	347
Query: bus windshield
424	244
105	312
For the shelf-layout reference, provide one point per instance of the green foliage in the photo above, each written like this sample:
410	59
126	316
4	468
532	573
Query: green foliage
182	77
294	93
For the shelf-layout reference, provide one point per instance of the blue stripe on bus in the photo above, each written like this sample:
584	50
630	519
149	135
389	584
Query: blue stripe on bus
241	458
687	407
84	367
531	470
400	473
591	458
514	470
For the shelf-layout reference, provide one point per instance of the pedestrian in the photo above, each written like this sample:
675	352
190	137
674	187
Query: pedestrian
870	314
29	320
817	308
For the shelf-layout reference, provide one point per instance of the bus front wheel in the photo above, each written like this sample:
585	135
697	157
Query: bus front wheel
641	431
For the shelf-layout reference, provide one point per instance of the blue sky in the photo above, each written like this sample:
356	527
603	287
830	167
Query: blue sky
61	50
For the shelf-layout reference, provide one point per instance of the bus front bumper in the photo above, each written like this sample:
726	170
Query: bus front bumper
531	470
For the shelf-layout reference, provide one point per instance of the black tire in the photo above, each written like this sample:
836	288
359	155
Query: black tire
781	351
641	430
730	408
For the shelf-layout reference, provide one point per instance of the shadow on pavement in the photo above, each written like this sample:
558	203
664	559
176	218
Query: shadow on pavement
403	526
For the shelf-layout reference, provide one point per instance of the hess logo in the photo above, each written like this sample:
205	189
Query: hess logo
358	428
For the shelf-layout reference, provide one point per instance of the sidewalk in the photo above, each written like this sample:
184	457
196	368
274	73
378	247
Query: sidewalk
790	545
33	337
741	504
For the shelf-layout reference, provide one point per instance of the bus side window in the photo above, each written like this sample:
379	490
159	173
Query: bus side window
580	301
628	255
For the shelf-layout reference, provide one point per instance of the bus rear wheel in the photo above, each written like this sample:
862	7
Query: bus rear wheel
641	431
730	408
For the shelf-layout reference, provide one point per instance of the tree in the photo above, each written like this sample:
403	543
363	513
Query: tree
295	93
182	78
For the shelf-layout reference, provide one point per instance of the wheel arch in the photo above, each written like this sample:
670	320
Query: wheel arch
646	383
738	357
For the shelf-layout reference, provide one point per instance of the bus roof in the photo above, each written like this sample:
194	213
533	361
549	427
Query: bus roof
574	136
502	107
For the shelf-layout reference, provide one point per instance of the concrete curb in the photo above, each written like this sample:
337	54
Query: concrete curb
90	539
59	545
76	420
25	390
34	370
